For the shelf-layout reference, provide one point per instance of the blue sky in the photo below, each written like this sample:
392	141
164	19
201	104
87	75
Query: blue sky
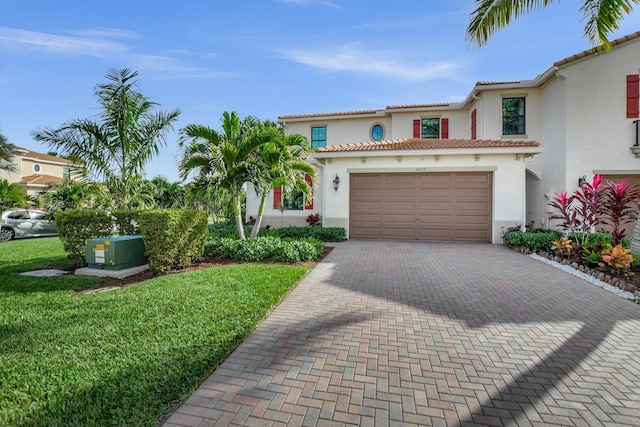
260	57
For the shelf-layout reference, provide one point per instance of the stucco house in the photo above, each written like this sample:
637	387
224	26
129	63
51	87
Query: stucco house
36	170
464	171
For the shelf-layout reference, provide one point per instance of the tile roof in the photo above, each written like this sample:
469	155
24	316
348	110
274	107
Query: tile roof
40	156
342	113
40	179
427	144
490	83
594	51
441	104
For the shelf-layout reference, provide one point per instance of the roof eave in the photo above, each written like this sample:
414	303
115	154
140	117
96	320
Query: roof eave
527	150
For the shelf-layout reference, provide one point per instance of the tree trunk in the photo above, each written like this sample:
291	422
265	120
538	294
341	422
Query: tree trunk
235	202
256	226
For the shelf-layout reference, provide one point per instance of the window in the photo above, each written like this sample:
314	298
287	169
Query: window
293	201
430	128
66	172
513	122
36	167
377	132
318	137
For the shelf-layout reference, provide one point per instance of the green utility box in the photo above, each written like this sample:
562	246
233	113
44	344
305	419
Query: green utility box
116	252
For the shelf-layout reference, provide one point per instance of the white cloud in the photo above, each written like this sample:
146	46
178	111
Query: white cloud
96	43
54	43
352	58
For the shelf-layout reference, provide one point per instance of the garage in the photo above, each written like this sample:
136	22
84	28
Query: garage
443	206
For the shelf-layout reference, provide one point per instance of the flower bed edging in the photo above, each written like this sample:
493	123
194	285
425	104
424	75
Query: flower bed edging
597	276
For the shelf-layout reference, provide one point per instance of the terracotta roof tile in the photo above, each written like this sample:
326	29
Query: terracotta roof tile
427	144
320	115
40	179
441	104
41	156
594	51
490	83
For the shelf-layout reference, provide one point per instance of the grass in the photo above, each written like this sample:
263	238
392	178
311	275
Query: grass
122	357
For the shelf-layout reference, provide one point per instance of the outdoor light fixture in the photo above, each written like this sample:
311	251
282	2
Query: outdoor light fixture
336	182
582	180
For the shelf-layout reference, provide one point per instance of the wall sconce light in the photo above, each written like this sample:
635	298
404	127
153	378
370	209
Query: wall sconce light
582	180
336	182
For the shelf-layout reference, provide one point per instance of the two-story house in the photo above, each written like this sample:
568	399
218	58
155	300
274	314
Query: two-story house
35	170
465	171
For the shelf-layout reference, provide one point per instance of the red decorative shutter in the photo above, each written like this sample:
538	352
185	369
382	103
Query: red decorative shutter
416	129
277	197
307	178
633	95
473	124
444	132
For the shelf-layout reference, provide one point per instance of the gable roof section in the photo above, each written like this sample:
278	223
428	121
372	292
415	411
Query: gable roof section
24	152
595	51
40	180
335	114
427	144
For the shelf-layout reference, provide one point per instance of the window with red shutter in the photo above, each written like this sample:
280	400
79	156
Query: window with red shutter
444	128
277	197
416	128
309	181
473	124
633	95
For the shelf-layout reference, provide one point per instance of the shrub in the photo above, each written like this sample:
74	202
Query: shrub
324	234
532	241
127	221
173	238
267	248
590	239
562	246
618	259
314	220
76	226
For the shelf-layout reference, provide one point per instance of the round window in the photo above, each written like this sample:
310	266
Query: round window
36	167
377	132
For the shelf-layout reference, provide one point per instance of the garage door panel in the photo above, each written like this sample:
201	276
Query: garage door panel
436	206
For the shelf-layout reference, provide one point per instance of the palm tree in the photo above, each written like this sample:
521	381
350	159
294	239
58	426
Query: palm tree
282	160
7	151
72	194
116	147
12	196
221	161
602	17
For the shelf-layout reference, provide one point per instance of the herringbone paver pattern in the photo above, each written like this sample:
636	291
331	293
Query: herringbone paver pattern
431	334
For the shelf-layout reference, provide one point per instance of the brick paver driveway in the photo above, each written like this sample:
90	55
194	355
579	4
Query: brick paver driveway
407	333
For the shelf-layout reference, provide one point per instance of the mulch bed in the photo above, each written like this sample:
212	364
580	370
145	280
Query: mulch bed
200	264
629	281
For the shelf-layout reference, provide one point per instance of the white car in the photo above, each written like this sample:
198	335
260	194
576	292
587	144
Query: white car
21	223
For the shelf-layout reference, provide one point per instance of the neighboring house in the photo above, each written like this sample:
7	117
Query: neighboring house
465	171
36	170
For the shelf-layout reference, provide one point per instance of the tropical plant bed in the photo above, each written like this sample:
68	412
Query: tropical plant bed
629	281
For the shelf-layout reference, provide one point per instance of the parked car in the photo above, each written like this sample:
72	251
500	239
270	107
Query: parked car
20	223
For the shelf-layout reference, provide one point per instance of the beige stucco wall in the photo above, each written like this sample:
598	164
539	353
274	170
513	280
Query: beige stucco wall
46	168
343	131
459	122
599	135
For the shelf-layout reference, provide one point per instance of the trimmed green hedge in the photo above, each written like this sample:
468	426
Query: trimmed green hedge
532	241
173	238
76	226
127	221
267	248
324	234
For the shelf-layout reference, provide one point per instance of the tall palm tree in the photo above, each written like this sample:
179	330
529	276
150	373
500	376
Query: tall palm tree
602	17
7	151
116	147
282	163
221	161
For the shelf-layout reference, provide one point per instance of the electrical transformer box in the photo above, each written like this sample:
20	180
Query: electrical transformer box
116	252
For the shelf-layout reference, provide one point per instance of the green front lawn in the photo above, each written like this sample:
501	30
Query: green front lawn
122	357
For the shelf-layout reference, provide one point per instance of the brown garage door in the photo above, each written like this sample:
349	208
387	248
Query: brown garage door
421	206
